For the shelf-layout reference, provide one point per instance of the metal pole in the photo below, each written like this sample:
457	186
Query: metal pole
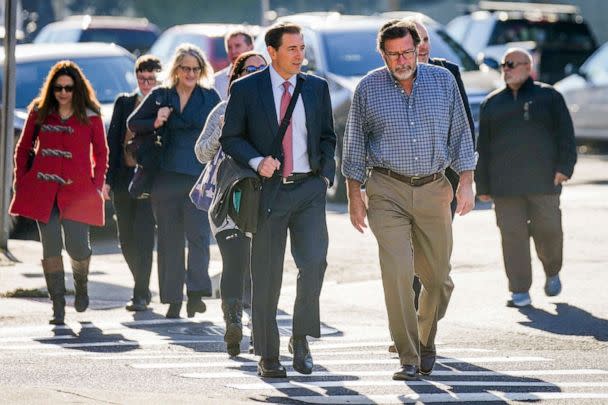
6	124
264	8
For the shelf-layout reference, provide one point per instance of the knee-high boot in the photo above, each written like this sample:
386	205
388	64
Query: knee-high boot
233	313
55	284
80	270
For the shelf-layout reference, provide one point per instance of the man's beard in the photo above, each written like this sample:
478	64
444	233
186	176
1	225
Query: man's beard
405	73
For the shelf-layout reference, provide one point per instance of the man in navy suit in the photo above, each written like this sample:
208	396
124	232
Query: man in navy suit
296	176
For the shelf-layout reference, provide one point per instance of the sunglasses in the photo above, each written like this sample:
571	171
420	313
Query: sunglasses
252	69
512	65
68	89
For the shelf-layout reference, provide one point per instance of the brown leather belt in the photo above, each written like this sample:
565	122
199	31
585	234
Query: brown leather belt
414	181
295	178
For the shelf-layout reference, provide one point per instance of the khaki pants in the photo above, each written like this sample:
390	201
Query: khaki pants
413	227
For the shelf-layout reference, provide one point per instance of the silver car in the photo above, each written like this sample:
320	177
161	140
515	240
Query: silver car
586	94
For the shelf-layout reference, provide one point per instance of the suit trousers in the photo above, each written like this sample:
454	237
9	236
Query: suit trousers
299	208
413	227
136	235
177	220
518	218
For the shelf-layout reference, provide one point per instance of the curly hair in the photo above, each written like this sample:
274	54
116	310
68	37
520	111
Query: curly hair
83	94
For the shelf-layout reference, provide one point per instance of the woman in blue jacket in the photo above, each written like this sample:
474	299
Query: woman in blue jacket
181	108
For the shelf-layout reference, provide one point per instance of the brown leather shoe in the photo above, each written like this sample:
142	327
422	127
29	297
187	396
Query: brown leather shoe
270	367
406	373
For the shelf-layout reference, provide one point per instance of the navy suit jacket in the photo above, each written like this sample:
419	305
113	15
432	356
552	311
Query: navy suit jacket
251	125
455	71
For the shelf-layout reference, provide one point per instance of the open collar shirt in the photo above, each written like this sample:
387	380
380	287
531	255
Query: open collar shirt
415	135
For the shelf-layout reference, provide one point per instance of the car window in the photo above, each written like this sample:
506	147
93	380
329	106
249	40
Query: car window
560	34
351	53
129	39
108	76
58	35
596	68
444	46
218	48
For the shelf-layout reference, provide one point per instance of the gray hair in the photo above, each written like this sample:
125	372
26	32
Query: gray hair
186	49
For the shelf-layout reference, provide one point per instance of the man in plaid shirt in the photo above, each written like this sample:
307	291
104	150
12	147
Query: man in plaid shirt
406	125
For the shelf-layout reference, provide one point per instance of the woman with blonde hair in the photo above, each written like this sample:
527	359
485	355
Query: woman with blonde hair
60	165
181	107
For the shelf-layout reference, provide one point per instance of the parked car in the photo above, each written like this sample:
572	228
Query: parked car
134	34
555	34
342	49
586	94
109	68
208	37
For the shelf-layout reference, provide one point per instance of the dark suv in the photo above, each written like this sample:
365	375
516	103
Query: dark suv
134	34
555	34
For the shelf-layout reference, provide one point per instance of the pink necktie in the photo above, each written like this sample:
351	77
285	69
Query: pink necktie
288	138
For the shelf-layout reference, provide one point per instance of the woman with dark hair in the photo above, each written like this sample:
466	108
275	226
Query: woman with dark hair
61	187
133	216
181	107
234	245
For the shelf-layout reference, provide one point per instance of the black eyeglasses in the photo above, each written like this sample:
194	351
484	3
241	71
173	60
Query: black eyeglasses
68	89
145	80
252	69
409	54
188	69
512	65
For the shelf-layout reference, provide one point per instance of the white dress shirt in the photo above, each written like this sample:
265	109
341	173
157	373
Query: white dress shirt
298	123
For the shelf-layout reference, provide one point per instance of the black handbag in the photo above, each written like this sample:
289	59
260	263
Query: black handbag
147	149
32	153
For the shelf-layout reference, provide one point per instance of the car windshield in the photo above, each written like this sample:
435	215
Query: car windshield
353	53
130	39
560	34
109	77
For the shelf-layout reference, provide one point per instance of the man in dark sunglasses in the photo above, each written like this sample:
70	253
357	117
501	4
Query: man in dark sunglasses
526	151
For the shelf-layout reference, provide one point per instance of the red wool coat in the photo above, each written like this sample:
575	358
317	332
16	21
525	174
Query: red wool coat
69	167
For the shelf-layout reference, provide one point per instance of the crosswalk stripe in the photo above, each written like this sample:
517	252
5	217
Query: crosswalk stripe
233	363
443	384
119	343
189	355
30	339
377	373
491	396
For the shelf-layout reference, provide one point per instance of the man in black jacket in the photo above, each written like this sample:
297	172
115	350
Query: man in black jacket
134	217
526	151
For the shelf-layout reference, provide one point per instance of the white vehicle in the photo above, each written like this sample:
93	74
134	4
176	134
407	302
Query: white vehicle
586	95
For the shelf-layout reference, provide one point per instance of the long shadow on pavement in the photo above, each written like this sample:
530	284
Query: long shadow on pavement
568	320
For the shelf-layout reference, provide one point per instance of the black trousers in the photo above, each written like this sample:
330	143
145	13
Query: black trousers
178	220
518	218
235	248
77	241
299	208
136	235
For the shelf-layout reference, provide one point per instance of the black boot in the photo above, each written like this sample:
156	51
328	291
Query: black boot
195	303
233	312
55	284
80	271
174	309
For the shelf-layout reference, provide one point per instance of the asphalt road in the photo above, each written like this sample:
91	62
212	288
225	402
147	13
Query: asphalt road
555	351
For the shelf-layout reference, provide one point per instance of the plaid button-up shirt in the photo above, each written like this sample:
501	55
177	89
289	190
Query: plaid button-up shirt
415	135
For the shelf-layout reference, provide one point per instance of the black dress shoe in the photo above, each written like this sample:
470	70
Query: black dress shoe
302	360
427	362
136	305
406	373
270	367
174	309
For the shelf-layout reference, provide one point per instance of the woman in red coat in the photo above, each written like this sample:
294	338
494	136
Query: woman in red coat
62	188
